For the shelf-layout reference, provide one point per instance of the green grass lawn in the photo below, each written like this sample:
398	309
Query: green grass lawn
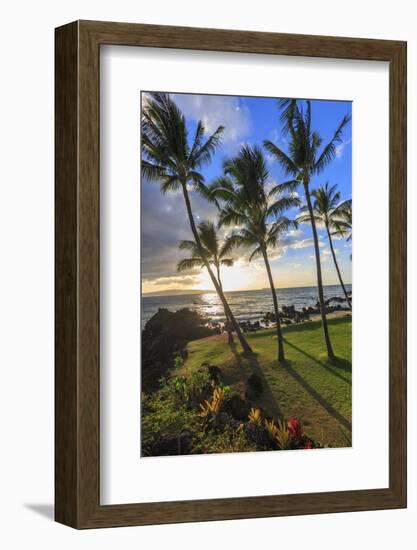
309	386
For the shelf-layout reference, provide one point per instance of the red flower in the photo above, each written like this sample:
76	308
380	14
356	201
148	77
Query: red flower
294	427
308	445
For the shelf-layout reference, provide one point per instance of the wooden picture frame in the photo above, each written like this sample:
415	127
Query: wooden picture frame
77	382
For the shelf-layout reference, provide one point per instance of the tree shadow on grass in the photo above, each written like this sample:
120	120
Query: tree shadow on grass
337	362
319	398
248	363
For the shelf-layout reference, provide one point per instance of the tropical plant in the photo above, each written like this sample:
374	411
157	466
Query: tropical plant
213	406
246	202
256	416
295	428
325	209
171	160
306	158
271	428
282	436
212	251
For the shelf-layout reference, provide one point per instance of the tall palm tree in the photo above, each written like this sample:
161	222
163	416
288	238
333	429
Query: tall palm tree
325	205
248	204
169	159
305	159
214	252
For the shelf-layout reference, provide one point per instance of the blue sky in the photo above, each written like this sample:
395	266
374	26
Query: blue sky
247	120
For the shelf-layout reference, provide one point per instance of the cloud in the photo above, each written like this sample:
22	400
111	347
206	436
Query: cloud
215	111
164	224
187	280
341	147
303	243
295	233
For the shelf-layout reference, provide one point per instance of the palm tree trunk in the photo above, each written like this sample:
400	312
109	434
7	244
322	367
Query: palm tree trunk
281	356
229	331
330	352
337	268
228	311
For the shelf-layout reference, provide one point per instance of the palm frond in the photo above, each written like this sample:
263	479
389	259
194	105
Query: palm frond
228	262
287	107
170	183
287	164
329	151
255	254
189	264
202	155
229	216
283	203
284	187
189	245
152	172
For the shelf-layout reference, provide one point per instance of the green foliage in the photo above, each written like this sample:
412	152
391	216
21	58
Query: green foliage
228	440
317	390
164	413
168	413
304	386
178	362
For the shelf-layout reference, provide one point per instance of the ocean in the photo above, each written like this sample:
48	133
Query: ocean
246	305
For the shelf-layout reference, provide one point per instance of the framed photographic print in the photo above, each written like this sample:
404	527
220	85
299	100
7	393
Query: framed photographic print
225	348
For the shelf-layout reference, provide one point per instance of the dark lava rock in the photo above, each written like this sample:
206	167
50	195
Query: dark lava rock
214	374
237	407
166	334
288	311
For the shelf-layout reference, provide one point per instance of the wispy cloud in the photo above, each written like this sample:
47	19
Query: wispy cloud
217	111
341	147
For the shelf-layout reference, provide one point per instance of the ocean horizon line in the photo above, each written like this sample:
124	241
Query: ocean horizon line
196	292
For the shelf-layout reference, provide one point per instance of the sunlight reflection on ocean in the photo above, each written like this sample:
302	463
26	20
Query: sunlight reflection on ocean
246	305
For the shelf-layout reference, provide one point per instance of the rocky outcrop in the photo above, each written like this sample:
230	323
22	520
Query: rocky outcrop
166	334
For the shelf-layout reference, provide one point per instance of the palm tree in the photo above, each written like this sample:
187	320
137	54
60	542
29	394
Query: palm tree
213	251
325	205
169	159
305	159
248	204
343	219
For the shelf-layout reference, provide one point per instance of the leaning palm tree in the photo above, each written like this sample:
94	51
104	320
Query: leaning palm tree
306	158
326	201
169	159
247	203
214	252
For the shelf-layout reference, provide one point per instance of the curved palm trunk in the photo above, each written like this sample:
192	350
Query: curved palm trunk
281	356
228	311
229	331
337	267
330	352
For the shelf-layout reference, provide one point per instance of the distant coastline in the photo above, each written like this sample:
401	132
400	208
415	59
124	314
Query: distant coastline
180	292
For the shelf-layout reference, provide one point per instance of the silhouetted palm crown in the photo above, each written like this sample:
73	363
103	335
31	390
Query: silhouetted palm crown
305	156
325	203
213	250
248	203
168	156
